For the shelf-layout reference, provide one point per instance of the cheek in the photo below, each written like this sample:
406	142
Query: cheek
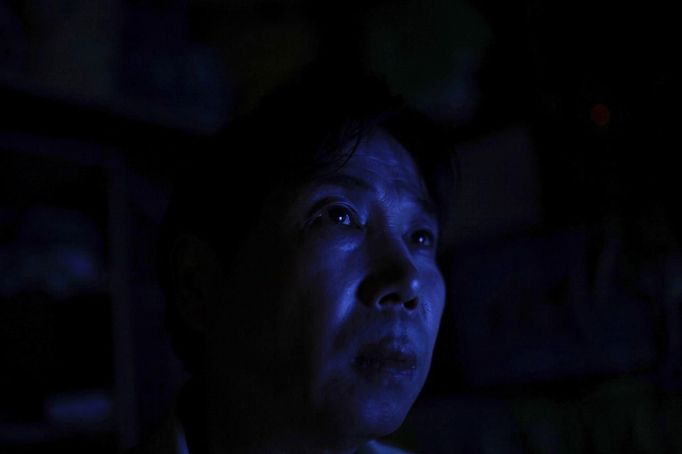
328	272
324	293
328	288
435	294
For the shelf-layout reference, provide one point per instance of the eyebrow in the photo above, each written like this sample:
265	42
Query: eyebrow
350	181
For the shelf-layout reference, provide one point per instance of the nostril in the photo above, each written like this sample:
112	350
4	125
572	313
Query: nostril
390	299
411	304
395	299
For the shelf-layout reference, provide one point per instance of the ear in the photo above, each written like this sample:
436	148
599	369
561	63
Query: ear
197	278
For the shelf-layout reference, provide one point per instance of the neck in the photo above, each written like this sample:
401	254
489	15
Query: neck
248	423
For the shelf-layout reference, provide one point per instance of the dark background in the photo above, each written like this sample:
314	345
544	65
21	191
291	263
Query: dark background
562	331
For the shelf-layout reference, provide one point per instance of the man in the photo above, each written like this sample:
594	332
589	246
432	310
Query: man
299	258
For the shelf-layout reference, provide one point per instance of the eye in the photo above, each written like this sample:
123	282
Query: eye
331	214
335	215
340	215
423	238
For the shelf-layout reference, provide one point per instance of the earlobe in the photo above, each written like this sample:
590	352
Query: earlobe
196	279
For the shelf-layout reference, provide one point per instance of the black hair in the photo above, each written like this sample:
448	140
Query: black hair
295	131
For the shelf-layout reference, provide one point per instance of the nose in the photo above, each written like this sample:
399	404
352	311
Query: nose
393	279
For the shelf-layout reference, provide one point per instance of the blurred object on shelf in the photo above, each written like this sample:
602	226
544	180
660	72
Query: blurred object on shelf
430	54
54	250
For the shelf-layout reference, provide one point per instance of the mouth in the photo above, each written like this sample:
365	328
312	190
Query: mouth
387	357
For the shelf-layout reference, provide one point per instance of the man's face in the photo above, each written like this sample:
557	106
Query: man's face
337	304
363	276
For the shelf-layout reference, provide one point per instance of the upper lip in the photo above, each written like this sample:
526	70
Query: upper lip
394	351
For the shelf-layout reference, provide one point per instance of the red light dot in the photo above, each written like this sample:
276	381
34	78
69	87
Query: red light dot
600	115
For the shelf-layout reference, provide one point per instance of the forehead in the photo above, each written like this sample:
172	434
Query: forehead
385	164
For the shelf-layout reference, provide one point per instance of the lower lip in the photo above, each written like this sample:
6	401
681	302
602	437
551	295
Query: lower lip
380	369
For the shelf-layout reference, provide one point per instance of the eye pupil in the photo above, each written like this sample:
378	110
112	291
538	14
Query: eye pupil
423	238
339	215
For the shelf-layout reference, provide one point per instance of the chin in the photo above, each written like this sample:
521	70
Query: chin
360	407
365	419
383	410
383	418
